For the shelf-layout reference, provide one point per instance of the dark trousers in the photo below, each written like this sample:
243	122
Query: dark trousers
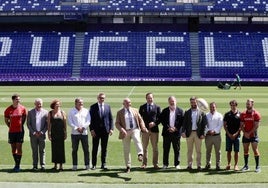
75	145
167	140
104	142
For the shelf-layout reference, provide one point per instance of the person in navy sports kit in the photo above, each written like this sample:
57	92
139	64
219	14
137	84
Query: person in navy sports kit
231	123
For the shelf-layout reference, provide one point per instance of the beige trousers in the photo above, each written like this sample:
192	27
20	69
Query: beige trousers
136	136
153	138
193	141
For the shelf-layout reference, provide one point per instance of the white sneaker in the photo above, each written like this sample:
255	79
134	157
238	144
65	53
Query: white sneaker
165	167
245	168
178	167
74	167
258	169
87	167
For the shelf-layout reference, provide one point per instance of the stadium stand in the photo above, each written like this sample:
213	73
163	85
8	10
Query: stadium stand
137	56
137	40
105	56
163	6
36	56
141	56
223	54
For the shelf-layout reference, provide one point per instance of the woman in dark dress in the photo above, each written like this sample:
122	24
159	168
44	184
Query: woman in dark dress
57	133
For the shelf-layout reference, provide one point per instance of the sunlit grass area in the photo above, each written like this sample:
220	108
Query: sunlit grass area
115	161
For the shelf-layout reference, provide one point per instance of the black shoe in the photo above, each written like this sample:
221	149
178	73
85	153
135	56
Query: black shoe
199	168
189	168
54	168
104	167
34	168
43	168
93	168
140	157
16	169
128	170
207	167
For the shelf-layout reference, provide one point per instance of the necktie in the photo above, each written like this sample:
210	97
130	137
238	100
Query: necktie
149	108
130	119
101	110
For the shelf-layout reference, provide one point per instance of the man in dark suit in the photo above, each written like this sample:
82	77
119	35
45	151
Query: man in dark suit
171	119
101	127
37	125
130	124
150	113
193	129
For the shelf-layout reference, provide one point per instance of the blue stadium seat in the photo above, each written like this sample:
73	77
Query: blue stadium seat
36	55
136	54
223	54
133	55
160	6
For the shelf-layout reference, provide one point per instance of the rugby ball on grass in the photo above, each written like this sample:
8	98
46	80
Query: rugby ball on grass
202	104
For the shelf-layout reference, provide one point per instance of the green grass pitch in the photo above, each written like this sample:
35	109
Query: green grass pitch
115	162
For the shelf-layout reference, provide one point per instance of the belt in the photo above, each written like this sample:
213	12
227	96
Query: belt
215	134
193	130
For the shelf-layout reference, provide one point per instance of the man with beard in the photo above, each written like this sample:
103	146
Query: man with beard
250	121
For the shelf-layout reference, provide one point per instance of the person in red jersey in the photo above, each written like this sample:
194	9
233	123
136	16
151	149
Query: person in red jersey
250	121
15	116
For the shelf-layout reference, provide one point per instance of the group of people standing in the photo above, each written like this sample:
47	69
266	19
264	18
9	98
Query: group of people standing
139	125
54	123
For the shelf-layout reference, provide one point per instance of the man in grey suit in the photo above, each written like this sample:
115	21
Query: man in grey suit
37	125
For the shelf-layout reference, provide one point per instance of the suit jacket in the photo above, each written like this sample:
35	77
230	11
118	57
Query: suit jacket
97	122
31	122
121	123
201	123
164	118
152	116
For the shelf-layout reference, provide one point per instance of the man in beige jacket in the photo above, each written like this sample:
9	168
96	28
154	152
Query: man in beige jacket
130	124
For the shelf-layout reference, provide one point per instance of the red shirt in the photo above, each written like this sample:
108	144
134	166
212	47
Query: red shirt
249	118
15	116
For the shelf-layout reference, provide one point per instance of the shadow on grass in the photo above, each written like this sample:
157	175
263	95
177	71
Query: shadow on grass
10	170
193	171
222	172
113	173
172	170
160	170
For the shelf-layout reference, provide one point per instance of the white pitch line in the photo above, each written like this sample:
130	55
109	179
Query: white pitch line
131	91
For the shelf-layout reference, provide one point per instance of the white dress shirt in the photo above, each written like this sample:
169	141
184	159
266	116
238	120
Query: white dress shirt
194	120
78	119
149	106
38	119
127	120
172	118
215	122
